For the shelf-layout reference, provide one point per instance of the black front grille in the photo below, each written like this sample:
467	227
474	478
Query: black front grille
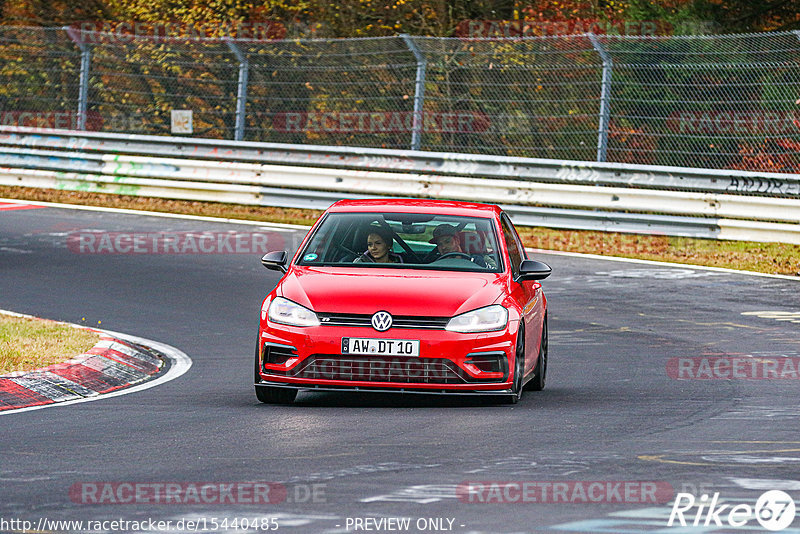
398	321
378	369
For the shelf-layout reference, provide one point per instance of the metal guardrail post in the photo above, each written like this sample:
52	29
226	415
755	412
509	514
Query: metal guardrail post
605	98
241	90
83	88
419	91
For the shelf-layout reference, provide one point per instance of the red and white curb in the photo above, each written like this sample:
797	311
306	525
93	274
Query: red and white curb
118	364
8	206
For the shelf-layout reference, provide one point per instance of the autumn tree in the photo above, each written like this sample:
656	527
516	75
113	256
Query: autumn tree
52	13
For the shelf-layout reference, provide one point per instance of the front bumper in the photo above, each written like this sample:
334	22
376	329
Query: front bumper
311	358
373	389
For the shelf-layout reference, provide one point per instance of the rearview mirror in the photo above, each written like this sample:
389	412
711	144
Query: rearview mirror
275	260
533	270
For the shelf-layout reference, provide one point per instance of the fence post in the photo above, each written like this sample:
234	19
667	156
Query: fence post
241	90
419	91
605	98
83	87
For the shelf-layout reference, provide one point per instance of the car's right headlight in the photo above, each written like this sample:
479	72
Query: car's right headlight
284	311
486	319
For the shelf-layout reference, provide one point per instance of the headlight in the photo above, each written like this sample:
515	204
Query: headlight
486	319
265	308
285	311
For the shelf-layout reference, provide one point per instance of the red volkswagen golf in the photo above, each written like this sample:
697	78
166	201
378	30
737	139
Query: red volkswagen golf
407	296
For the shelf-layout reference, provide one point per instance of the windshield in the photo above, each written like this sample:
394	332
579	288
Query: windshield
403	241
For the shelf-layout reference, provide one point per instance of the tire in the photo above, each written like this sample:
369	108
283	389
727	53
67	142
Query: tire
538	381
519	368
271	395
257	377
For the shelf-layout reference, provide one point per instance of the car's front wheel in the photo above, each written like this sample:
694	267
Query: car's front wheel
538	380
272	395
519	368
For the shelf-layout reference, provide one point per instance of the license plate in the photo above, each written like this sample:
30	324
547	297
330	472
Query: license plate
380	347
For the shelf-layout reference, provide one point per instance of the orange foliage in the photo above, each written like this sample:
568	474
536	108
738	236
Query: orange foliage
631	145
782	155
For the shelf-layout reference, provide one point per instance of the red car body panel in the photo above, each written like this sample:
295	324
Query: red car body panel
403	292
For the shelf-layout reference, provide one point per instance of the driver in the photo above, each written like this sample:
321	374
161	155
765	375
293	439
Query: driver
447	241
445	237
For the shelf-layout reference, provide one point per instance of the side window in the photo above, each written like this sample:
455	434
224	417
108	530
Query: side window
515	252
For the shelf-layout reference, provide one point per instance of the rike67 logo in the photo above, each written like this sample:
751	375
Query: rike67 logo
774	510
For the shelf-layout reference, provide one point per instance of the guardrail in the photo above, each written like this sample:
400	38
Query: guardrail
597	196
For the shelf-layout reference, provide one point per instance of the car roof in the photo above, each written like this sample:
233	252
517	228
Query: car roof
416	205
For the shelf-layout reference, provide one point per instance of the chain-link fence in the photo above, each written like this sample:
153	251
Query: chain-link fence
697	101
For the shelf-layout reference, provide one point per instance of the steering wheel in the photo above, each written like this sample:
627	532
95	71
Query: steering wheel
345	249
350	255
455	255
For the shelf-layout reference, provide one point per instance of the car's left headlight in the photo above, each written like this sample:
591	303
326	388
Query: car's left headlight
283	310
494	317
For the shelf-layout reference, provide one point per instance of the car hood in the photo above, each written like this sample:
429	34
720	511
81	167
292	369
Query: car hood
398	291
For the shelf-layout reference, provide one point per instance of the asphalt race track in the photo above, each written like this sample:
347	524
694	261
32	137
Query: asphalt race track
613	410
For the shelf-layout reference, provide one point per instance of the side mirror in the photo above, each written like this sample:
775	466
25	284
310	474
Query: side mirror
533	270
275	260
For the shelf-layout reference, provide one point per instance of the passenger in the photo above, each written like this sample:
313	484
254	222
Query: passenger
379	248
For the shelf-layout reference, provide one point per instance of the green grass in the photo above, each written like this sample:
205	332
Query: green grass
27	344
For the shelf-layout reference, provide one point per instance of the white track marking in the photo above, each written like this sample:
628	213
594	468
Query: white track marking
662	263
275	226
179	364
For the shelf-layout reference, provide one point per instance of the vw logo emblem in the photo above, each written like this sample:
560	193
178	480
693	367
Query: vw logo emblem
382	321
